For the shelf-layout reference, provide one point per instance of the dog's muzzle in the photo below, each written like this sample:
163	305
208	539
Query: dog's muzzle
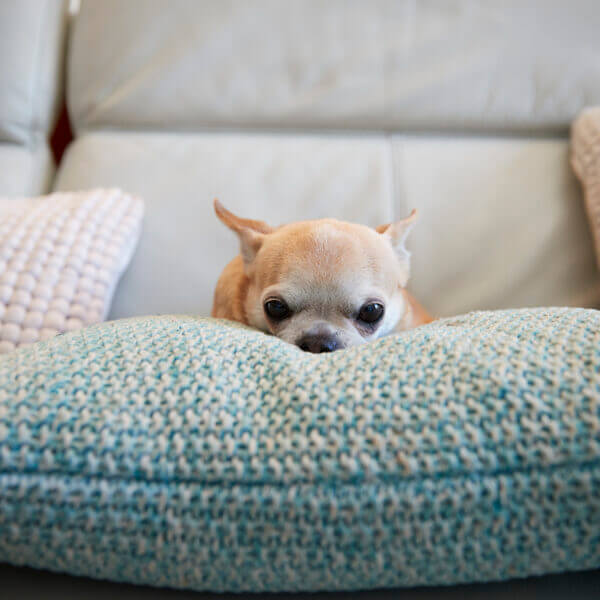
317	343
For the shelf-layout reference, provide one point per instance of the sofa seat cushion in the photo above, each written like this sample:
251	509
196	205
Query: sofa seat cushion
25	171
501	221
193	453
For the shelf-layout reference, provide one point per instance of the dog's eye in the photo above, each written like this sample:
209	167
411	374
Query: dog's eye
371	313
277	309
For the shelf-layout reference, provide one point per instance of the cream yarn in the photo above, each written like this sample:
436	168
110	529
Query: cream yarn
61	256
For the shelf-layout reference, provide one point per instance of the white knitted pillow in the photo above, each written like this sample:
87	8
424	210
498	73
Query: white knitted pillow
61	256
585	158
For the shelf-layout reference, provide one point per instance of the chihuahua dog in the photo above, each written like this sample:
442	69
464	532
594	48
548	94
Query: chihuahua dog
323	285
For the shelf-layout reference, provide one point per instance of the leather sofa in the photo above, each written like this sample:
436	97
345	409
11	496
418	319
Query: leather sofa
303	109
32	47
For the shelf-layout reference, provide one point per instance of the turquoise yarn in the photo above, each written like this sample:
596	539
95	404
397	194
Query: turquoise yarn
194	453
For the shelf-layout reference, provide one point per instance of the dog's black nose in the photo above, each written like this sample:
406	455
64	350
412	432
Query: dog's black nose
318	343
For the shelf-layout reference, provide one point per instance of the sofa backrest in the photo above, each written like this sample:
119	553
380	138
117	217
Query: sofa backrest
32	38
354	109
515	65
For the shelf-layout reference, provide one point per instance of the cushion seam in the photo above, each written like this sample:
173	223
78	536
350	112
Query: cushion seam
392	481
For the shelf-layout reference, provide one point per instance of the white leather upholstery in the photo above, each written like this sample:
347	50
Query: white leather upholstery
25	171
501	225
32	41
461	64
32	37
502	222
183	246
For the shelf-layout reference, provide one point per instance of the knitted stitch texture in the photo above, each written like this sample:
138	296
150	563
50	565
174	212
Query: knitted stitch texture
194	453
61	256
585	158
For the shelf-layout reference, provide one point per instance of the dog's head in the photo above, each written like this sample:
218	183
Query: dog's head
323	285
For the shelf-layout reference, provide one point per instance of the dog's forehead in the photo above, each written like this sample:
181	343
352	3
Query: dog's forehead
324	242
325	262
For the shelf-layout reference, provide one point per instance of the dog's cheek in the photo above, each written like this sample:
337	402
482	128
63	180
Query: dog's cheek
256	317
351	338
393	315
288	330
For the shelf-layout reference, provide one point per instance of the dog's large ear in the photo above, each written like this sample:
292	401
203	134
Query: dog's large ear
397	233
250	233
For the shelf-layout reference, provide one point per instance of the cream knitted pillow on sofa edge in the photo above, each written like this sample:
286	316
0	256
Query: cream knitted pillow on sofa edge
585	158
61	256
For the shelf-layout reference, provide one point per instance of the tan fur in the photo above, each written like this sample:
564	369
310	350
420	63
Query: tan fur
317	265
230	293
416	314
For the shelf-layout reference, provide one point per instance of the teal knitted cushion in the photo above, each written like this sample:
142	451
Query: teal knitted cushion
193	453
